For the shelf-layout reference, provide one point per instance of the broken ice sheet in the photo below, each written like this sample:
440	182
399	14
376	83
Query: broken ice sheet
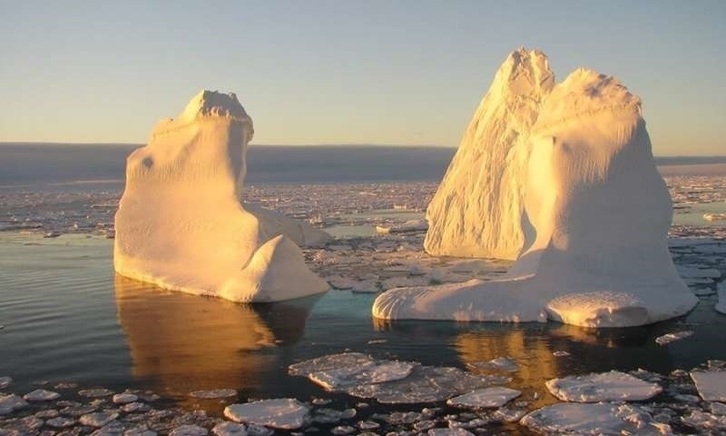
593	419
426	384
484	398
379	372
283	413
711	385
330	362
608	386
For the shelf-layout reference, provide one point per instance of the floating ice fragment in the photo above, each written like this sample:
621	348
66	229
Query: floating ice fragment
672	337
113	428
560	353
135	407
609	386
189	430
283	413
213	393
704	421
11	403
379	372
60	422
330	362
228	428
97	419
449	432
426	384
711	385
718	408
484	398
368	425
593	419
343	430
95	393
5	382
124	398
41	395
499	364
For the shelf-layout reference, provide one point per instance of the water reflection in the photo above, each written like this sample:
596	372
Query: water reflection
181	343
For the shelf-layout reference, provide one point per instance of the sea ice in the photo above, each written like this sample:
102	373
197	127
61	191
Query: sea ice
98	419
180	223
11	403
330	362
721	304
711	385
673	337
283	413
705	421
189	430
590	158
228	428
5	382
484	398
41	395
477	208
498	364
449	432
608	386
124	398
344	378
593	419
408	226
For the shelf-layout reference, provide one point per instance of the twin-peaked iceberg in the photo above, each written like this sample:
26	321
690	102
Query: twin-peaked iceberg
565	176
181	224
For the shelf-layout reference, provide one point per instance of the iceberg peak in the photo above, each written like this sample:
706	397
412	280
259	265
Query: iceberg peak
214	104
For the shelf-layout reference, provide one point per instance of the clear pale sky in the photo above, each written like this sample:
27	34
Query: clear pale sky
346	72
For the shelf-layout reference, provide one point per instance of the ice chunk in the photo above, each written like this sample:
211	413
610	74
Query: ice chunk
330	362
379	372
609	386
477	209
11	403
484	398
5	382
180	223
41	395
595	224
283	413
213	393
189	430
230	429
449	432
426	384
124	398
98	419
672	337
593	419
408	226
711	385
721	304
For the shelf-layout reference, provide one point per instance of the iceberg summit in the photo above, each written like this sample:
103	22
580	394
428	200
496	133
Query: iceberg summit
181	224
594	219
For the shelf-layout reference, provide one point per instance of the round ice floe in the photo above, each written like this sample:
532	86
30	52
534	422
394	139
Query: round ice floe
593	419
378	372
60	422
449	432
124	398
330	362
41	395
609	386
484	398
230	429
283	413
98	419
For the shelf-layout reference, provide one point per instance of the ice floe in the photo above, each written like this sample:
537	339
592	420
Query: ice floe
10	403
41	395
5	382
609	386
283	413
124	398
593	419
98	419
711	385
673	337
484	398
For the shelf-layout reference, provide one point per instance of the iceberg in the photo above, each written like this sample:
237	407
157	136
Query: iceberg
477	209
595	221
181	224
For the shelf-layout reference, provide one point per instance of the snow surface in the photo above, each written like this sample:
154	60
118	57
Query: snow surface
609	386
180	223
711	385
595	223
283	413
477	209
593	419
484	398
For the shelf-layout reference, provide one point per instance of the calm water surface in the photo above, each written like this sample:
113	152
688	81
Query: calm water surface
67	317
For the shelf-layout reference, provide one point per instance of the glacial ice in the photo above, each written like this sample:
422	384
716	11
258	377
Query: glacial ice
180	223
282	413
477	208
595	222
609	386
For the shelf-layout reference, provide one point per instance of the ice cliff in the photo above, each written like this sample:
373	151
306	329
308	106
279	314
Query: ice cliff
181	224
477	208
594	224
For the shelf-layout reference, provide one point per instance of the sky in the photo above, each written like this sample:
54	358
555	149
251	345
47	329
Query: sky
397	72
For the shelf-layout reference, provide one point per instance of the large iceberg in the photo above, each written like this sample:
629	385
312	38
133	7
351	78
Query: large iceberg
181	224
595	222
477	208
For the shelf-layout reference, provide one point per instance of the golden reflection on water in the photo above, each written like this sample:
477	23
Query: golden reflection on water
180	343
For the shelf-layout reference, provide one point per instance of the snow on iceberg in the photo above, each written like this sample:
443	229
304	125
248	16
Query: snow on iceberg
180	222
595	222
477	209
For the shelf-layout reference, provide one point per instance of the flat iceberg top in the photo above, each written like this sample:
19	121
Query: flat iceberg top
214	104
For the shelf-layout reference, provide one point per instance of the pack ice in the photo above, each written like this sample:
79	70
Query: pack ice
181	224
594	219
